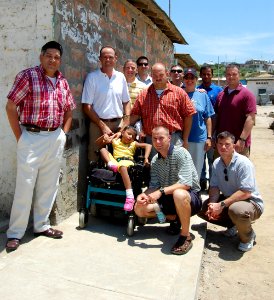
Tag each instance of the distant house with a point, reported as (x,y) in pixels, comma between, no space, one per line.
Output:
(262,86)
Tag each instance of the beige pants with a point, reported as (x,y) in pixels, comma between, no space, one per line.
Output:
(39,158)
(94,133)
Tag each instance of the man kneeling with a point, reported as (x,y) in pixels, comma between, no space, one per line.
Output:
(234,201)
(174,186)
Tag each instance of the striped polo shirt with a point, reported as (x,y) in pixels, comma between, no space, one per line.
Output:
(177,167)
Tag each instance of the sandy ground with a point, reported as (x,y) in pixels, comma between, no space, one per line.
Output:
(226,273)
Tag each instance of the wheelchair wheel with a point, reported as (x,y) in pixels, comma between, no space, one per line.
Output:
(83,218)
(142,221)
(93,210)
(130,226)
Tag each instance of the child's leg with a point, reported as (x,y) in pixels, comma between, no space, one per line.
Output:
(124,173)
(105,155)
(108,158)
(129,192)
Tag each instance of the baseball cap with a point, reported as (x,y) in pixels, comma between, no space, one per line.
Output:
(190,71)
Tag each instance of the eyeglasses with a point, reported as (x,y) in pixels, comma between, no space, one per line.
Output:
(176,71)
(189,77)
(225,172)
(142,64)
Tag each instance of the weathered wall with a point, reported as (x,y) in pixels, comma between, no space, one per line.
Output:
(25,25)
(82,30)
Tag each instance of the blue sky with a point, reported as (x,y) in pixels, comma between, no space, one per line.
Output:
(235,30)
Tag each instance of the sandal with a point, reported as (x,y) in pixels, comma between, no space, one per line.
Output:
(182,246)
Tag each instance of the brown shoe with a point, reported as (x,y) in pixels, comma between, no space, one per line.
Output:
(182,246)
(51,233)
(12,244)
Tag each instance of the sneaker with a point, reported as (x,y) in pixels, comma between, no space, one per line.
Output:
(113,168)
(230,232)
(128,206)
(161,216)
(249,245)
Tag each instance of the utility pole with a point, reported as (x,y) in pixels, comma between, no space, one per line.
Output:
(218,72)
(169,7)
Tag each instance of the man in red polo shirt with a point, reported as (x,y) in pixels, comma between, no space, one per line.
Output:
(236,110)
(39,110)
(164,104)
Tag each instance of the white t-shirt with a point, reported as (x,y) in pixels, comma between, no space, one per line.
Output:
(105,94)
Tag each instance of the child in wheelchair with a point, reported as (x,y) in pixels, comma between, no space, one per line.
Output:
(123,157)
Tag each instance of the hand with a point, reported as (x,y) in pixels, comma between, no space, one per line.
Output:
(207,145)
(142,136)
(239,146)
(214,210)
(106,130)
(185,144)
(146,162)
(154,196)
(142,199)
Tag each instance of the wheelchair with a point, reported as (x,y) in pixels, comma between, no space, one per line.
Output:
(105,189)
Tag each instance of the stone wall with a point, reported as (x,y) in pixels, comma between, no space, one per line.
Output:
(82,27)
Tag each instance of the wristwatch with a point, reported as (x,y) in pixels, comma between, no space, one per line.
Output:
(162,190)
(222,204)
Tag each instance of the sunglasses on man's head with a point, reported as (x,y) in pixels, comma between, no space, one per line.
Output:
(176,71)
(142,64)
(226,176)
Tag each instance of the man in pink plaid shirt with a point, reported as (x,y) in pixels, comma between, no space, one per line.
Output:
(39,110)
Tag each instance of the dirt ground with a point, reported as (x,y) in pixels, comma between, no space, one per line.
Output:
(226,273)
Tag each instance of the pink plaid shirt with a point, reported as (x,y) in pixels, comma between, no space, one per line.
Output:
(39,101)
(169,110)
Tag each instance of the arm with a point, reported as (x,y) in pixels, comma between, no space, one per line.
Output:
(186,130)
(147,148)
(67,121)
(13,117)
(215,209)
(126,116)
(89,111)
(209,133)
(155,195)
(248,125)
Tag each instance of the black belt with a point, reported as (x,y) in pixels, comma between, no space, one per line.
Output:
(111,120)
(124,158)
(35,128)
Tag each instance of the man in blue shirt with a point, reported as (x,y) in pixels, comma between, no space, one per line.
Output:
(206,73)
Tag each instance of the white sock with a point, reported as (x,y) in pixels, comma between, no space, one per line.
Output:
(129,193)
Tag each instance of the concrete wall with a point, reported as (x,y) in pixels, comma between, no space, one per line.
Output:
(82,31)
(25,26)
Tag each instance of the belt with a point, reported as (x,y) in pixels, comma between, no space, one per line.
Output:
(111,120)
(35,128)
(124,158)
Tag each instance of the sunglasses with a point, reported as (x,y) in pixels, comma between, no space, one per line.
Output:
(176,71)
(225,172)
(142,64)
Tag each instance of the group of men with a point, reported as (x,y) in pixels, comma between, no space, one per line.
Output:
(113,100)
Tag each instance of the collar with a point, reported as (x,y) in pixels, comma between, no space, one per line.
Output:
(170,151)
(233,159)
(238,88)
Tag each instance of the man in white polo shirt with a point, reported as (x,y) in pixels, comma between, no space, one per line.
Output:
(105,100)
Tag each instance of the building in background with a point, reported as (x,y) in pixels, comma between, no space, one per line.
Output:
(134,28)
